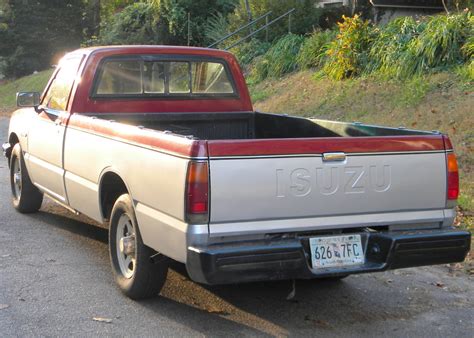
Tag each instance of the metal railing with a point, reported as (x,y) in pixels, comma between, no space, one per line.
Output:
(251,23)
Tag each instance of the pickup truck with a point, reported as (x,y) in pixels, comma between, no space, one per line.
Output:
(163,146)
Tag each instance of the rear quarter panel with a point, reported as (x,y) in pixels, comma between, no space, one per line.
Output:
(155,181)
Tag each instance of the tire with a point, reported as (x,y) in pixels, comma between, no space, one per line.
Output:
(135,273)
(26,197)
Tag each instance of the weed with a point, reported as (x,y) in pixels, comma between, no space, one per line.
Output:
(280,58)
(313,51)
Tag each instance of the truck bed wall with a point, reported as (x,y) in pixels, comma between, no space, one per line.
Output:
(251,125)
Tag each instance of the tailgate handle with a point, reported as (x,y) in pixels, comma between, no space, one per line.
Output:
(334,157)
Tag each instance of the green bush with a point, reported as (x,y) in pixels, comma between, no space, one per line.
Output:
(248,52)
(280,58)
(313,51)
(135,24)
(347,54)
(304,19)
(391,44)
(438,46)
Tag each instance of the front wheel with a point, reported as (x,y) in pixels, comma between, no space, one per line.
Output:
(26,197)
(135,273)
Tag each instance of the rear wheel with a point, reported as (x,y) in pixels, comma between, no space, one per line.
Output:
(135,273)
(26,197)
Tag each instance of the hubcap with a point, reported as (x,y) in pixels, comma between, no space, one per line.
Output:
(125,244)
(17,178)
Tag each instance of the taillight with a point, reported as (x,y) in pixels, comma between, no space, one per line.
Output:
(197,192)
(453,177)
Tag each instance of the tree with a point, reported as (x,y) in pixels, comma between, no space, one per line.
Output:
(39,32)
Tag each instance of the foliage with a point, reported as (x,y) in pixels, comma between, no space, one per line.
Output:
(99,13)
(438,44)
(406,47)
(313,51)
(174,14)
(390,44)
(305,18)
(27,45)
(135,24)
(347,54)
(246,53)
(466,72)
(279,59)
(216,27)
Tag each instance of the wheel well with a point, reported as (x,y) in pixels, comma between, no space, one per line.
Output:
(13,139)
(111,187)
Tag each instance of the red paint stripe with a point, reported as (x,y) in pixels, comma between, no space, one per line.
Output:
(324,145)
(160,141)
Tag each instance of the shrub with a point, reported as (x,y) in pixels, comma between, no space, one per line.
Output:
(248,52)
(390,45)
(135,24)
(313,51)
(304,19)
(347,54)
(280,58)
(438,46)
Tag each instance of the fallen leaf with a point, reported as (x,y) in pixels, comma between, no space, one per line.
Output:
(439,284)
(4,306)
(389,281)
(102,320)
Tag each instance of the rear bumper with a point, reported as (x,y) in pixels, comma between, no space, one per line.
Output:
(289,258)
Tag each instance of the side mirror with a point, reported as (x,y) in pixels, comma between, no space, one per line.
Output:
(27,99)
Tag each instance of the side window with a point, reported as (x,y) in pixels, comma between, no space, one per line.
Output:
(58,93)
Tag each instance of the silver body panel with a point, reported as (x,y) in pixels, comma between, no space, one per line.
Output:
(156,182)
(285,194)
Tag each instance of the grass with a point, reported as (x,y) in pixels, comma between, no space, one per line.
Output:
(34,83)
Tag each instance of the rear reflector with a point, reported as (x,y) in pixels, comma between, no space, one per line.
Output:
(197,192)
(453,177)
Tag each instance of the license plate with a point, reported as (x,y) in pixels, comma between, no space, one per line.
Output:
(337,251)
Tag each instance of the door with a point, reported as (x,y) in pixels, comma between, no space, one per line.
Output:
(46,134)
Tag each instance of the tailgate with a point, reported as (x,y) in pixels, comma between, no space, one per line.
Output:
(265,180)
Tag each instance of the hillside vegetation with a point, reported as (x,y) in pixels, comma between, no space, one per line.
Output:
(32,83)
(402,49)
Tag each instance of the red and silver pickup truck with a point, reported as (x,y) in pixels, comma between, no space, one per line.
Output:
(163,146)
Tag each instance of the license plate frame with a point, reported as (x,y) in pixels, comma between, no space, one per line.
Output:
(339,251)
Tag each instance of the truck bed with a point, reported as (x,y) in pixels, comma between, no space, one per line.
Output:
(252,125)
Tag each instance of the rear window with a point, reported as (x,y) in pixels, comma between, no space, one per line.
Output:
(119,78)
